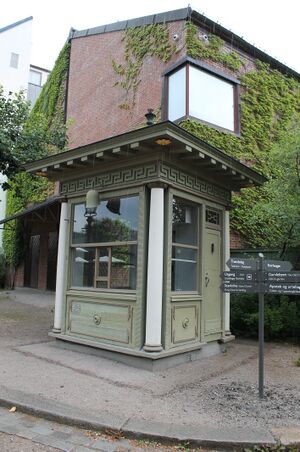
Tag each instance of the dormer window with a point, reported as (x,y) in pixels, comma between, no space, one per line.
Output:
(198,92)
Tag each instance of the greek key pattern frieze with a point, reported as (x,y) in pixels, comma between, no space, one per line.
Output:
(114,179)
(193,183)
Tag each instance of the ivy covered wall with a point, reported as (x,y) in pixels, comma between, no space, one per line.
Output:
(27,189)
(269,100)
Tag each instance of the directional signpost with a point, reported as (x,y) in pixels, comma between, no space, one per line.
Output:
(262,277)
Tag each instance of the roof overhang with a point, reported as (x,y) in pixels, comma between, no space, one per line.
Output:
(199,19)
(33,209)
(183,147)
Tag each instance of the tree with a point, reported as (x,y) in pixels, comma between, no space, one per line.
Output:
(274,220)
(24,137)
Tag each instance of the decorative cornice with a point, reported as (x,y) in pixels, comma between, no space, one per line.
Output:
(193,183)
(116,179)
(155,174)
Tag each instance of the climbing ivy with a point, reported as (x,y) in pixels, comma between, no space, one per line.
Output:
(269,101)
(213,49)
(52,97)
(140,42)
(25,188)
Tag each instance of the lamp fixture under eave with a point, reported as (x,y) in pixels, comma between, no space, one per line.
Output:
(91,203)
(163,141)
(150,116)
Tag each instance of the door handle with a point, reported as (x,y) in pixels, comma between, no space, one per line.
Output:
(206,280)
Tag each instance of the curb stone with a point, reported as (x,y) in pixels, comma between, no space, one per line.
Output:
(204,436)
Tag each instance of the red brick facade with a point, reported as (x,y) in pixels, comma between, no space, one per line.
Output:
(94,99)
(93,105)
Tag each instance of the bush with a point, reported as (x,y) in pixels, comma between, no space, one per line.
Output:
(282,316)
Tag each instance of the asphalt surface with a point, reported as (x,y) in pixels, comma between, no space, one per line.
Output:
(208,403)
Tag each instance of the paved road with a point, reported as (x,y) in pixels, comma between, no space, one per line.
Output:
(26,433)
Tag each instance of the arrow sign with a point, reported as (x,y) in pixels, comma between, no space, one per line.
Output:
(282,288)
(237,276)
(281,266)
(282,277)
(232,287)
(242,264)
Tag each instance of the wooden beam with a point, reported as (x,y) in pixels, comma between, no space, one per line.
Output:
(196,155)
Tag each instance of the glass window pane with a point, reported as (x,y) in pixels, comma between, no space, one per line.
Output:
(184,222)
(14,60)
(211,98)
(103,262)
(35,78)
(116,220)
(184,269)
(83,268)
(102,284)
(123,267)
(176,95)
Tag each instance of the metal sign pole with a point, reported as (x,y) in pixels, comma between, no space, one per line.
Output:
(261,299)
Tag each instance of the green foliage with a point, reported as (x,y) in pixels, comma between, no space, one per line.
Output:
(141,42)
(24,189)
(213,49)
(42,132)
(297,362)
(282,316)
(13,114)
(51,100)
(269,102)
(274,218)
(277,448)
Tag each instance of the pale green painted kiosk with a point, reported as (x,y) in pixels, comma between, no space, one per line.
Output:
(144,236)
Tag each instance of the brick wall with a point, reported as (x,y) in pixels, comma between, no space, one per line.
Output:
(236,241)
(93,99)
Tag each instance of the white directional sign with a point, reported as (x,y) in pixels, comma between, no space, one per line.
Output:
(239,276)
(280,266)
(282,276)
(242,264)
(282,288)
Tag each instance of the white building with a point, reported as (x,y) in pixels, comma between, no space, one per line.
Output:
(16,73)
(15,46)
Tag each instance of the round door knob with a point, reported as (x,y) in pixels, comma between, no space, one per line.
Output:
(97,319)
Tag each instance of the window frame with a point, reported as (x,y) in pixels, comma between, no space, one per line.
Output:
(33,71)
(187,62)
(196,247)
(98,245)
(14,60)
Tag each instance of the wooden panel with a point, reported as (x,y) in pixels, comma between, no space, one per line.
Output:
(212,294)
(111,322)
(185,319)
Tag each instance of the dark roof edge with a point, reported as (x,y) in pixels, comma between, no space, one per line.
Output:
(161,127)
(15,24)
(40,68)
(241,44)
(170,16)
(48,202)
(189,14)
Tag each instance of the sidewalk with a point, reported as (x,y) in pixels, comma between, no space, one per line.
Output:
(212,402)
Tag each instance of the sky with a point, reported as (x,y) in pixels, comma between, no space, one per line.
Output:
(271,26)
